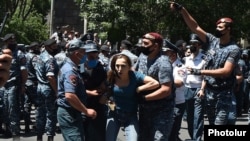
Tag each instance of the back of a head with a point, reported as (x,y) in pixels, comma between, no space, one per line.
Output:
(126,44)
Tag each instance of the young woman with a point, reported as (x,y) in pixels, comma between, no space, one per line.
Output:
(125,86)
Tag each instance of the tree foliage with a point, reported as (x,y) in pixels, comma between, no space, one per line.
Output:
(141,16)
(26,19)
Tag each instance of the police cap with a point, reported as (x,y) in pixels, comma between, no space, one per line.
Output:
(90,47)
(167,45)
(76,44)
(33,44)
(194,38)
(105,48)
(49,42)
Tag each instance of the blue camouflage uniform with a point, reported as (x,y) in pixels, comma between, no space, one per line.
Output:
(220,90)
(30,85)
(2,112)
(46,96)
(12,92)
(156,117)
(69,80)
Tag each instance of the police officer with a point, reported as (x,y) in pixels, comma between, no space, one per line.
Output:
(46,72)
(104,56)
(157,108)
(220,70)
(194,95)
(179,75)
(15,86)
(33,51)
(5,63)
(72,95)
(94,77)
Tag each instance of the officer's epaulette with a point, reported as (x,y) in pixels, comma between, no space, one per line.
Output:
(203,57)
(179,65)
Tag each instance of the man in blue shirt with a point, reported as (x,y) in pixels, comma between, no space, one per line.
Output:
(72,95)
(46,73)
(157,107)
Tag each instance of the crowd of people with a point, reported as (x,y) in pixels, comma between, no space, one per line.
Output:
(91,93)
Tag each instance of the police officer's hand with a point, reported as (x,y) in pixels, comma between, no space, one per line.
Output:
(93,92)
(91,113)
(175,6)
(201,94)
(5,63)
(194,71)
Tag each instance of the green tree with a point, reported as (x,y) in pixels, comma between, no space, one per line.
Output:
(27,19)
(141,16)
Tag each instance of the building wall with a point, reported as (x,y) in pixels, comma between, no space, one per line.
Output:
(66,12)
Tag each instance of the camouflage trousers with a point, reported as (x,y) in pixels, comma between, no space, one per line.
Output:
(12,108)
(155,121)
(218,106)
(46,118)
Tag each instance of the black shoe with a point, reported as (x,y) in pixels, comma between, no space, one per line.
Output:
(50,138)
(27,130)
(16,138)
(178,139)
(39,138)
(7,133)
(58,130)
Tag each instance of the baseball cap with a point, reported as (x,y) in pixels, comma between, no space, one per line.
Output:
(153,36)
(75,44)
(8,36)
(90,47)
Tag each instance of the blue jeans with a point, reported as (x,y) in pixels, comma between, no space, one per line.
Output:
(71,124)
(195,113)
(116,120)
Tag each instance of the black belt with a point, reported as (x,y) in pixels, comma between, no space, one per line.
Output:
(218,88)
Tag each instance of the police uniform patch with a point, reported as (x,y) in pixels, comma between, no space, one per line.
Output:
(73,79)
(182,72)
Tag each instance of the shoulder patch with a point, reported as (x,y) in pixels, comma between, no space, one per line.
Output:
(73,79)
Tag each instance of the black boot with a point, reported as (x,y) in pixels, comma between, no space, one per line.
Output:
(7,133)
(50,138)
(39,138)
